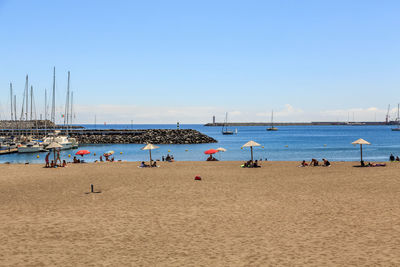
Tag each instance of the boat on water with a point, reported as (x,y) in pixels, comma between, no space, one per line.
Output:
(272,128)
(397,120)
(31,147)
(64,140)
(8,143)
(225,130)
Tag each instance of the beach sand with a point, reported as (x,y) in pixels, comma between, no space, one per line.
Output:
(275,215)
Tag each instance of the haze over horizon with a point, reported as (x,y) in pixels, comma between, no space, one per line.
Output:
(163,62)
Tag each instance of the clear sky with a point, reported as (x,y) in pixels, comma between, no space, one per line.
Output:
(168,61)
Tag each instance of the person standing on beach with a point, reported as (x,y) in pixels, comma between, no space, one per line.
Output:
(58,157)
(47,160)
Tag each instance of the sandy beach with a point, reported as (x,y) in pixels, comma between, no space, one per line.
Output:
(275,215)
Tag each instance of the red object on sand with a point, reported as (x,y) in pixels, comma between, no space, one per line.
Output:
(82,152)
(210,151)
(197,178)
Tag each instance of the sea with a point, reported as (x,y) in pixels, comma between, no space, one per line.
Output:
(289,143)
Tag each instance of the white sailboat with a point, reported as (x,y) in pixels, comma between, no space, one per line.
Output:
(225,130)
(65,141)
(272,128)
(397,120)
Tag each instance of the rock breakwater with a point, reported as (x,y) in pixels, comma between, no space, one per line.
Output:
(154,136)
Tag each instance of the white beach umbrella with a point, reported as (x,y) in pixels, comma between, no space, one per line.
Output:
(54,145)
(221,149)
(361,142)
(251,144)
(149,147)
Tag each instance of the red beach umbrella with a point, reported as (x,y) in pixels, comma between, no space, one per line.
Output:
(82,152)
(210,151)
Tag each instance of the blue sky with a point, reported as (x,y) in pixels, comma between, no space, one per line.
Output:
(168,61)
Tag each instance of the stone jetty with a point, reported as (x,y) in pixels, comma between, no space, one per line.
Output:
(154,136)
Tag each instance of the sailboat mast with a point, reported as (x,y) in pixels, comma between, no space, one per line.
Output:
(67,104)
(15,111)
(31,100)
(53,104)
(22,106)
(11,101)
(72,102)
(11,105)
(226,120)
(31,109)
(26,98)
(272,118)
(45,111)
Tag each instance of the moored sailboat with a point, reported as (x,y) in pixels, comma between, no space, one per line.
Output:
(397,120)
(272,128)
(225,126)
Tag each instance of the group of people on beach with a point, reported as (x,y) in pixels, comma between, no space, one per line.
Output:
(144,165)
(315,162)
(168,158)
(211,158)
(251,164)
(57,163)
(392,158)
(107,158)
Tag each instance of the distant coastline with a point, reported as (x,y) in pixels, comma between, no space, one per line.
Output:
(375,123)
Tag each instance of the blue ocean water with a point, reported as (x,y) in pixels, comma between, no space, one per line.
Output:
(288,143)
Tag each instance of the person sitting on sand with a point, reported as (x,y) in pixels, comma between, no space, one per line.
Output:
(64,164)
(47,160)
(154,164)
(112,159)
(255,165)
(326,163)
(391,158)
(314,162)
(52,164)
(143,165)
(303,164)
(397,158)
(168,158)
(248,164)
(75,160)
